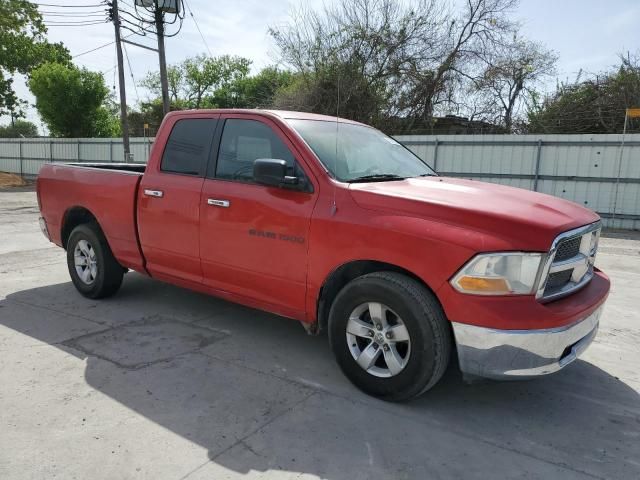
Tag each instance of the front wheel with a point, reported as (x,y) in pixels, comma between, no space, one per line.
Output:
(93,269)
(389,335)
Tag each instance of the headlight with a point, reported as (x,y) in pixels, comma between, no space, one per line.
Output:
(499,274)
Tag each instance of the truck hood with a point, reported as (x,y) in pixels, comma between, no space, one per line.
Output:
(526,220)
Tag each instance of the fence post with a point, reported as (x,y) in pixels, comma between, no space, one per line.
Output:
(50,151)
(537,172)
(111,151)
(20,157)
(78,150)
(435,155)
(617,187)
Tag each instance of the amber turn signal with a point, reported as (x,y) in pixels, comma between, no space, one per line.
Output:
(478,284)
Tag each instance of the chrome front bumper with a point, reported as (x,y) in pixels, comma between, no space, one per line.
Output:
(511,354)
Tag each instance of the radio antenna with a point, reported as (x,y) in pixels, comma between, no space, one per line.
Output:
(334,207)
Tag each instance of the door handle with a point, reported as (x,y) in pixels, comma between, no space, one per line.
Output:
(218,203)
(154,193)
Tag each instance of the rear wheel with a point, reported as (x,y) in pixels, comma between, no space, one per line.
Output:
(93,269)
(389,335)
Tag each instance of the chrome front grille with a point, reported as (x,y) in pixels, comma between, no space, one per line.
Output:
(558,279)
(569,264)
(568,248)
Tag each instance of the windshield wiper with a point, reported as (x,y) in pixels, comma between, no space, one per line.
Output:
(379,177)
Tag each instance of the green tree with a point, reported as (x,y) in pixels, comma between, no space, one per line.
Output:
(107,120)
(19,129)
(23,47)
(71,101)
(193,83)
(407,59)
(339,88)
(593,105)
(204,75)
(149,113)
(175,80)
(254,91)
(508,81)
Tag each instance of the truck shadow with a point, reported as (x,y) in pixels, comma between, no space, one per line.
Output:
(261,395)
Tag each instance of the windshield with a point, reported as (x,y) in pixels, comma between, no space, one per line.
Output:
(361,153)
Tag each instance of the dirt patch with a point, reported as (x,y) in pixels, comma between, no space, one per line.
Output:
(11,180)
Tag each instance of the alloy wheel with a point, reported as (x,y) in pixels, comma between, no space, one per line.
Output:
(378,339)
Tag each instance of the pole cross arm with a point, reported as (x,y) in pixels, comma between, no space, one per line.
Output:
(139,45)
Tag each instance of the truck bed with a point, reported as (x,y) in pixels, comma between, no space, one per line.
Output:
(108,191)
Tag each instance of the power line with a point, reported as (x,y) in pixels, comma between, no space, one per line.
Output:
(74,14)
(68,6)
(127,4)
(142,29)
(99,47)
(135,87)
(198,27)
(115,70)
(67,12)
(53,22)
(93,49)
(73,24)
(79,13)
(110,70)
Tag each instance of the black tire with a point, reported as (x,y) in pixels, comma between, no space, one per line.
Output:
(109,272)
(428,329)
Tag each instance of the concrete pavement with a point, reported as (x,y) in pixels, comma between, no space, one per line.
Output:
(162,383)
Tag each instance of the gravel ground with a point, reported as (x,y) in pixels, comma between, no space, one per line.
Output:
(163,383)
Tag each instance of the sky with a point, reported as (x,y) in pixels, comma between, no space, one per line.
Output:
(586,34)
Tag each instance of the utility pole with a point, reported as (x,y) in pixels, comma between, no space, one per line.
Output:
(164,83)
(124,121)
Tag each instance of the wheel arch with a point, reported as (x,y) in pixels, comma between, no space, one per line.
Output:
(347,272)
(74,216)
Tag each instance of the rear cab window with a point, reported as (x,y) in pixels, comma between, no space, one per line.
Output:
(188,146)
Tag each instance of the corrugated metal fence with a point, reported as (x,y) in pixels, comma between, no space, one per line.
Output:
(26,155)
(593,170)
(596,171)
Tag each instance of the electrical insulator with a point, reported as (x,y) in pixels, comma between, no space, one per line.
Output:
(167,6)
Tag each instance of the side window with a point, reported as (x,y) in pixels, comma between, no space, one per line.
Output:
(244,141)
(188,146)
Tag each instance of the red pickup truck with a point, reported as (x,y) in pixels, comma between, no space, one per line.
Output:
(336,225)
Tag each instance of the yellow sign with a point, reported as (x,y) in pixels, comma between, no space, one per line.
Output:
(633,112)
(146,125)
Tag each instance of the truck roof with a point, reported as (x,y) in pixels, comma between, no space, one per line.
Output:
(283,114)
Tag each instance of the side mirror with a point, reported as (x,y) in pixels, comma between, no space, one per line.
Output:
(272,172)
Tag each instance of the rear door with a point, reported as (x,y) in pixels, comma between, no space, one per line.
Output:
(253,238)
(169,199)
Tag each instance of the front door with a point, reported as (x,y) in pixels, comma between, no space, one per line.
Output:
(253,238)
(169,199)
